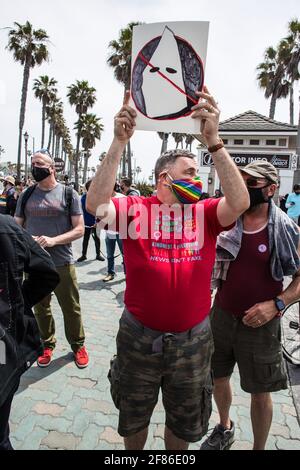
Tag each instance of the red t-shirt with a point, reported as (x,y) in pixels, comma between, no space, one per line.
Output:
(249,280)
(168,273)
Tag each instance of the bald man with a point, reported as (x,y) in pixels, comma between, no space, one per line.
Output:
(47,218)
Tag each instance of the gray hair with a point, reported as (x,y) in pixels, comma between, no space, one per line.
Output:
(167,160)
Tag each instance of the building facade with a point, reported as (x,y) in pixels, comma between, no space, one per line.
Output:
(251,136)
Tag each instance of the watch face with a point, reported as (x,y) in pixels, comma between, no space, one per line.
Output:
(280,304)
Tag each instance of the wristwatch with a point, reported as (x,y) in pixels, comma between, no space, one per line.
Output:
(280,305)
(215,148)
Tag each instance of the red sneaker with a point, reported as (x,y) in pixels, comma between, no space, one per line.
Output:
(45,359)
(81,358)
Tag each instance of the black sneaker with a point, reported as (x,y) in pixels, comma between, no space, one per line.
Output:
(220,439)
(100,258)
(82,258)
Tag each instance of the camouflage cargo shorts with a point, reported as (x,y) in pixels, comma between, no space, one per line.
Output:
(256,351)
(181,369)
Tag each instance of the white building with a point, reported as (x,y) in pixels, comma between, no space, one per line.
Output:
(252,136)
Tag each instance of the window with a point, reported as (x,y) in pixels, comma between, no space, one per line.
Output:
(254,141)
(282,142)
(238,142)
(225,141)
(271,142)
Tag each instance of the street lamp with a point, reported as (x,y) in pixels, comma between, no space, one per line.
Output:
(26,137)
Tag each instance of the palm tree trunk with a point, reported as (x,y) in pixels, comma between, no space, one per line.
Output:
(57,147)
(164,146)
(292,104)
(22,112)
(85,167)
(76,156)
(272,106)
(124,163)
(43,125)
(53,141)
(50,136)
(129,160)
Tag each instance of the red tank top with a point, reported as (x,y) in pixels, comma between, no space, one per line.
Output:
(249,280)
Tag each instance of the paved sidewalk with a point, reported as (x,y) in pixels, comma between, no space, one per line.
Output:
(63,407)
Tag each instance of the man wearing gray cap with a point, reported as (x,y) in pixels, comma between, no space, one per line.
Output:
(252,260)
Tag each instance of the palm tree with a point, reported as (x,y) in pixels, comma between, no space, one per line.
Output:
(44,89)
(189,139)
(178,139)
(120,61)
(164,137)
(29,48)
(293,58)
(284,55)
(293,66)
(90,130)
(54,113)
(83,97)
(272,78)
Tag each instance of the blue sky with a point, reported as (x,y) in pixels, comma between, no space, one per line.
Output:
(80,32)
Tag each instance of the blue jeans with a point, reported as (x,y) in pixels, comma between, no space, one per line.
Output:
(111,240)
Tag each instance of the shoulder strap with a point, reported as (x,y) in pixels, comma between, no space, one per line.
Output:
(26,195)
(69,199)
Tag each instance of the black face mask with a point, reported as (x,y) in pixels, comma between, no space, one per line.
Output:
(40,174)
(257,196)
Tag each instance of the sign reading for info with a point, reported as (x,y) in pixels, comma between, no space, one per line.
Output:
(280,161)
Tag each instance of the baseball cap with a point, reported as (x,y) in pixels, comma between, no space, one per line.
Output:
(262,169)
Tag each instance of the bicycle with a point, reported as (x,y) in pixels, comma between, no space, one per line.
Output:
(290,333)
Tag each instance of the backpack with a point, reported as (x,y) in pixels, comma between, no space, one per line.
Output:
(7,202)
(3,201)
(68,197)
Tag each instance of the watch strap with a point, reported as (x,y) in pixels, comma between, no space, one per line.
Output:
(215,148)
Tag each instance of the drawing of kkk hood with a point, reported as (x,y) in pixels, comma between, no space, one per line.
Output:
(165,77)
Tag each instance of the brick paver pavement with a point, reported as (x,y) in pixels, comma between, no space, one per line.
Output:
(63,407)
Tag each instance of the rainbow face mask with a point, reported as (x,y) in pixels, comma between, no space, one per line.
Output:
(187,191)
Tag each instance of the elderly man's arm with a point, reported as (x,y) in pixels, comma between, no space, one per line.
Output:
(236,196)
(103,183)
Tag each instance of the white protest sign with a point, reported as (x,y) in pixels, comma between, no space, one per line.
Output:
(168,63)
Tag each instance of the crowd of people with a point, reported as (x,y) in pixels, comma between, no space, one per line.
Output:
(178,247)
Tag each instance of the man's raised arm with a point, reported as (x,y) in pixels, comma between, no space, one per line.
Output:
(236,196)
(103,184)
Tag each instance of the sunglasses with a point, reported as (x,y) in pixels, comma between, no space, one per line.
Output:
(253,182)
(44,152)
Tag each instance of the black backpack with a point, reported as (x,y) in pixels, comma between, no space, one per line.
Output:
(28,192)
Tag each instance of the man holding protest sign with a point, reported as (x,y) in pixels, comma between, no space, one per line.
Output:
(164,340)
